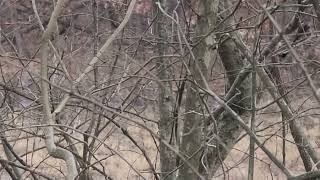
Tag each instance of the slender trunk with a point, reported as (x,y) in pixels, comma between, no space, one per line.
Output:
(49,117)
(166,124)
(194,122)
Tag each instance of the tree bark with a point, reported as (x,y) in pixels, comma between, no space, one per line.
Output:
(167,124)
(48,118)
(193,135)
(227,129)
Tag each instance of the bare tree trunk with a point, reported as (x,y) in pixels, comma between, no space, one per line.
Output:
(48,118)
(194,122)
(192,135)
(227,129)
(167,124)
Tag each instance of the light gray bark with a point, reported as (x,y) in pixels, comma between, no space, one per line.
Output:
(167,124)
(193,124)
(48,118)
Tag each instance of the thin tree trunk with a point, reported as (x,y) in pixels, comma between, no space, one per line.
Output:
(166,124)
(48,118)
(194,122)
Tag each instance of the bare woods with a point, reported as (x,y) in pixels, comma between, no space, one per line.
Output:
(165,89)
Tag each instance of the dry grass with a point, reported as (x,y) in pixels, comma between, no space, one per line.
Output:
(117,165)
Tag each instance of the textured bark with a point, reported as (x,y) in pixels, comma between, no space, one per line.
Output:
(193,122)
(166,123)
(193,127)
(227,128)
